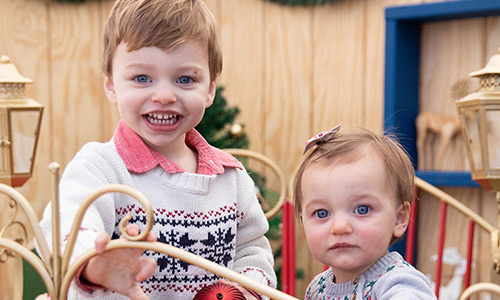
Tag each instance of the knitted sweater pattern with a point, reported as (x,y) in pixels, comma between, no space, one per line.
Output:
(391,277)
(214,216)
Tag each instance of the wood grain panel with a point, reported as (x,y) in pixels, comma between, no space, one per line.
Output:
(287,83)
(288,103)
(450,51)
(339,64)
(242,40)
(492,38)
(76,78)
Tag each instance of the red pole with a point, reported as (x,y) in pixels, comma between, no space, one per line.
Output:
(410,235)
(439,262)
(288,250)
(470,246)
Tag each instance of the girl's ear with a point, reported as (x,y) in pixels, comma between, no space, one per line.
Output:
(109,88)
(402,219)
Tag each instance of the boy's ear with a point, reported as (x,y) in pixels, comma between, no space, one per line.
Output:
(211,94)
(109,88)
(402,219)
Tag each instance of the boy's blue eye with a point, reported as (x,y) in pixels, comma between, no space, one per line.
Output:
(185,80)
(321,213)
(362,209)
(142,79)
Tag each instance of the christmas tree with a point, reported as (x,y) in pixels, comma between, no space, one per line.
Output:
(219,127)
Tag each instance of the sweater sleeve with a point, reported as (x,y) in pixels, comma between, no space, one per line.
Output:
(84,174)
(254,257)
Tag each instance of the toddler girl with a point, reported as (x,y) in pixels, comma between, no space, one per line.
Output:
(353,195)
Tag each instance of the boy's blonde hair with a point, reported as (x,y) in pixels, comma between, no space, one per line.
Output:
(349,145)
(165,24)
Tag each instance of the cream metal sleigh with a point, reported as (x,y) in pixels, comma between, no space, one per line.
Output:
(473,219)
(54,267)
(56,271)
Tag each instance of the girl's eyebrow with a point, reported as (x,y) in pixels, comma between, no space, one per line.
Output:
(315,201)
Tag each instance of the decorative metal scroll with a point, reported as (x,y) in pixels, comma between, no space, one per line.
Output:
(11,223)
(274,167)
(55,269)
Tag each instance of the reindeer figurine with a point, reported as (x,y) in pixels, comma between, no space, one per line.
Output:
(445,127)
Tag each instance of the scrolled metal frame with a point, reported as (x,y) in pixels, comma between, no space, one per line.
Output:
(274,167)
(55,269)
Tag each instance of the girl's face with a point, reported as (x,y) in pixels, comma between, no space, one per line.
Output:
(350,213)
(161,95)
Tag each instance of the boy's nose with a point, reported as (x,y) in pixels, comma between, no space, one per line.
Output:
(164,94)
(340,225)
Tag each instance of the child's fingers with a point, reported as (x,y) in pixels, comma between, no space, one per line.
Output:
(101,241)
(225,282)
(151,237)
(136,293)
(132,229)
(148,266)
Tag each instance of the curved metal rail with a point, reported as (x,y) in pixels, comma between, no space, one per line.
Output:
(267,161)
(480,287)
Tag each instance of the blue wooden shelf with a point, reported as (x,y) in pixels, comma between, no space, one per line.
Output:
(448,178)
(402,68)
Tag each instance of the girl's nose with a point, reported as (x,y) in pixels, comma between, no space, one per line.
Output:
(164,93)
(340,225)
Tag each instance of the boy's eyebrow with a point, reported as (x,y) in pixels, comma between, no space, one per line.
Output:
(186,67)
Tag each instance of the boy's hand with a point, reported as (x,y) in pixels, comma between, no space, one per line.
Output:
(244,291)
(120,270)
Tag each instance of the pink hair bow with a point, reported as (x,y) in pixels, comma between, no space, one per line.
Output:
(321,137)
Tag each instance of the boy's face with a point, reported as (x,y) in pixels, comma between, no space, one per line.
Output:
(350,213)
(161,95)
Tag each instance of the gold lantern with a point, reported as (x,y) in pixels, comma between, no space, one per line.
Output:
(20,120)
(480,120)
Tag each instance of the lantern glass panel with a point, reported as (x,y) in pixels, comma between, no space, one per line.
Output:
(493,127)
(24,126)
(472,122)
(4,143)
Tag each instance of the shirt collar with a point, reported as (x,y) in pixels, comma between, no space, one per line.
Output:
(140,158)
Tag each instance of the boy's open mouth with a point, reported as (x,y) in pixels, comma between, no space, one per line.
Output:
(162,119)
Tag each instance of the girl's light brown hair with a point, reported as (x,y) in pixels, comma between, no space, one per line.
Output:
(165,24)
(348,145)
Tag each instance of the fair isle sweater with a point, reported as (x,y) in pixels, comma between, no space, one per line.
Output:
(214,214)
(391,277)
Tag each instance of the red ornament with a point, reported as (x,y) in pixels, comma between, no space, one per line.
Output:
(219,291)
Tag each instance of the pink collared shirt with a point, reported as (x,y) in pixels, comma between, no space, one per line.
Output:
(140,158)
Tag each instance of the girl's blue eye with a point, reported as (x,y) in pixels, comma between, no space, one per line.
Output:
(142,79)
(321,213)
(185,80)
(362,209)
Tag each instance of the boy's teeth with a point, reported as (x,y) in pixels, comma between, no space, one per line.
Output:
(164,119)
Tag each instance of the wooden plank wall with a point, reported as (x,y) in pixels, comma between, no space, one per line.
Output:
(292,71)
